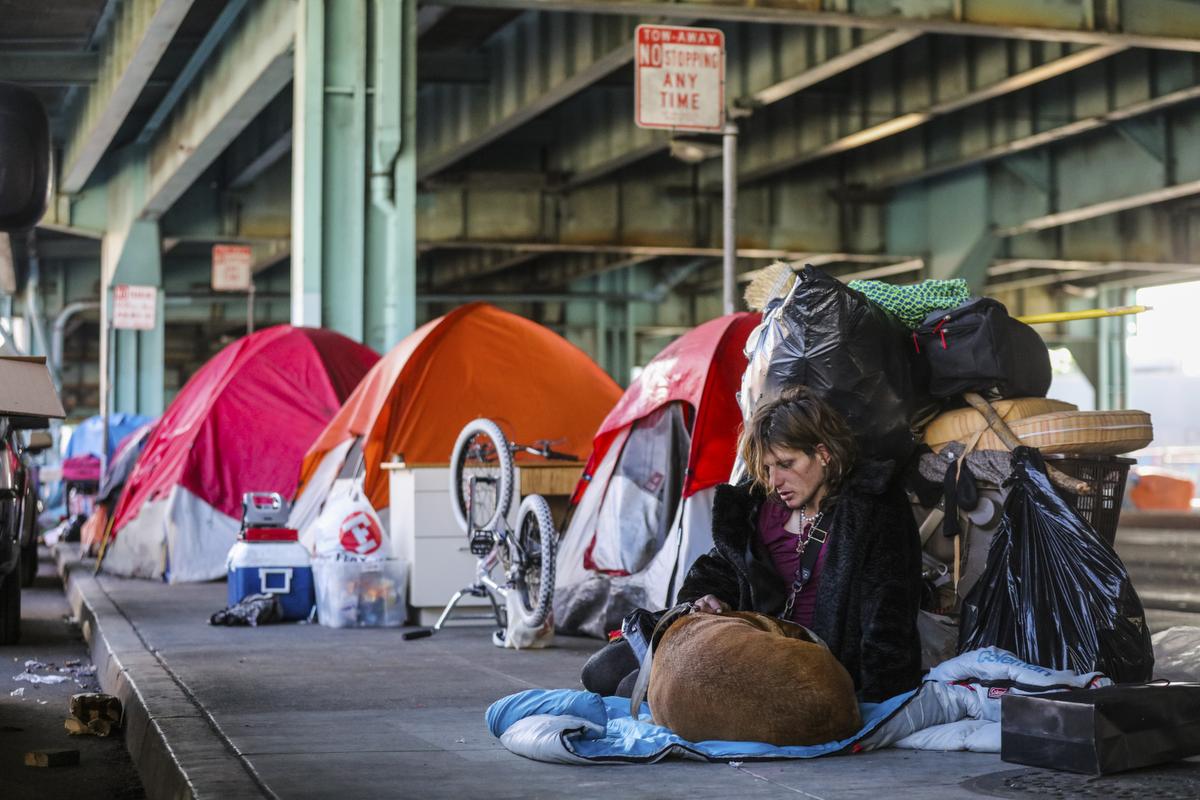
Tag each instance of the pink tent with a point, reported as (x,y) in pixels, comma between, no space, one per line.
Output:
(242,423)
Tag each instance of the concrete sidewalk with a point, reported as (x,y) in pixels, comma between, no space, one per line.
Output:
(300,711)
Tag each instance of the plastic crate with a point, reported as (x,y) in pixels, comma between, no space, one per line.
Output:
(1106,475)
(361,594)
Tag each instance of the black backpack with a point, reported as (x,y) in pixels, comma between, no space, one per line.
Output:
(978,347)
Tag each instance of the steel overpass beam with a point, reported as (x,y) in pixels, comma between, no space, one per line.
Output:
(537,62)
(138,37)
(1123,88)
(1164,24)
(250,69)
(1147,163)
(972,72)
(49,69)
(766,66)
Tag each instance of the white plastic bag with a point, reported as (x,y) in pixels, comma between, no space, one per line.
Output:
(1177,653)
(518,635)
(348,527)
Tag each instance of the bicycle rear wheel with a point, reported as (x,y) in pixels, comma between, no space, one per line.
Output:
(538,541)
(481,475)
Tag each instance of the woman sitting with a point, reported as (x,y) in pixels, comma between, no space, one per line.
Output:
(860,592)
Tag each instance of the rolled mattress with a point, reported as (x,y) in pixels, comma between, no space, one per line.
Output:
(1085,432)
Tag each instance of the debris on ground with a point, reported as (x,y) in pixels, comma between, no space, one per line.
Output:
(253,609)
(94,714)
(48,679)
(77,671)
(51,758)
(72,669)
(17,692)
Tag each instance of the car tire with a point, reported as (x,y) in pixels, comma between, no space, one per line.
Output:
(10,607)
(29,565)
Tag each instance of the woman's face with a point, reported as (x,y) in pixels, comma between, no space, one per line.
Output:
(796,477)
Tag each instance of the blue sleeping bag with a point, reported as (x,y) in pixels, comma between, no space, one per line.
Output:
(574,727)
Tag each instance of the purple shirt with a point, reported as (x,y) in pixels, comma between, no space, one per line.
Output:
(781,545)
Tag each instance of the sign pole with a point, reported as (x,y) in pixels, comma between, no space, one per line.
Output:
(729,138)
(106,380)
(250,309)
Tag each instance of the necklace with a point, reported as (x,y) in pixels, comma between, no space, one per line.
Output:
(805,519)
(810,531)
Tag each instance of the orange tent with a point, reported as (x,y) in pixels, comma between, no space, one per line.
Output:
(476,361)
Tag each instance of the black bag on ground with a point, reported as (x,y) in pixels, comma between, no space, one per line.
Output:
(978,347)
(855,356)
(1053,591)
(1099,731)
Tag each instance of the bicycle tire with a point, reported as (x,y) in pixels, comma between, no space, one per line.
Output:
(496,463)
(538,540)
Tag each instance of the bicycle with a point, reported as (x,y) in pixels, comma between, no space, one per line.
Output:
(482,475)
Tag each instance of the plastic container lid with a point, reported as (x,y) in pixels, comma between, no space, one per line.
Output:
(271,535)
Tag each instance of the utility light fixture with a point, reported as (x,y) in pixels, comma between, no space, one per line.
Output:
(693,151)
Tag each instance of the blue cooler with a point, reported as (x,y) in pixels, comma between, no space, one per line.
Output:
(272,561)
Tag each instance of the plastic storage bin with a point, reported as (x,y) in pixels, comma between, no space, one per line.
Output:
(271,561)
(362,594)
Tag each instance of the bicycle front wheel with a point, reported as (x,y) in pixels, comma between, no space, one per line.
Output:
(538,541)
(481,476)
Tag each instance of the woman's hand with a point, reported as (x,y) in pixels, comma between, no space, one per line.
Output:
(710,604)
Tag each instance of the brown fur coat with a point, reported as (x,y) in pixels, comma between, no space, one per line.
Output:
(743,676)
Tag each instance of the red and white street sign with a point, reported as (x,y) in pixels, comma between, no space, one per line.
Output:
(134,307)
(231,266)
(679,78)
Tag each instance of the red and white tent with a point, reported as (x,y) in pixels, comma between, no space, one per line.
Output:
(242,423)
(639,521)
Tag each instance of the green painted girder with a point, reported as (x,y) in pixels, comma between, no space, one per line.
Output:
(252,66)
(49,68)
(1164,24)
(137,39)
(537,61)
(765,67)
(354,165)
(943,78)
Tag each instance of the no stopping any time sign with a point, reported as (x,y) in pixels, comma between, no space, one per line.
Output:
(679,79)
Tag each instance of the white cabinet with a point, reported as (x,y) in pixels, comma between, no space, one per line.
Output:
(425,533)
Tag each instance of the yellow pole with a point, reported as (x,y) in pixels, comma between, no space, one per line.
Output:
(1094,313)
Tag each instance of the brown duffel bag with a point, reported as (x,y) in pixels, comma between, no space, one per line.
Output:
(742,676)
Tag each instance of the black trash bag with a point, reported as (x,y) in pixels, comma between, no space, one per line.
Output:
(1053,591)
(858,358)
(253,609)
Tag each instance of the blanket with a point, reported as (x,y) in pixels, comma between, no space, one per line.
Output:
(956,708)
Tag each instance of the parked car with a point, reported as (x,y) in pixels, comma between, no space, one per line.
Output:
(26,395)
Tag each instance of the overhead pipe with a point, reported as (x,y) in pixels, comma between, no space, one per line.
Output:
(63,318)
(59,335)
(32,294)
(387,141)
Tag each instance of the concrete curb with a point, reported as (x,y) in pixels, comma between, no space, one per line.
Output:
(178,750)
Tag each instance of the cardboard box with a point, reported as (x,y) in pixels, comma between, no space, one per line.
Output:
(26,390)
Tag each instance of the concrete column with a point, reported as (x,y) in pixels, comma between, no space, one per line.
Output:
(1112,388)
(354,169)
(137,356)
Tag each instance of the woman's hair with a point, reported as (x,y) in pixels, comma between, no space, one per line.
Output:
(797,420)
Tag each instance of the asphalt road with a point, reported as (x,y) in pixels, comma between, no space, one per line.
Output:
(33,719)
